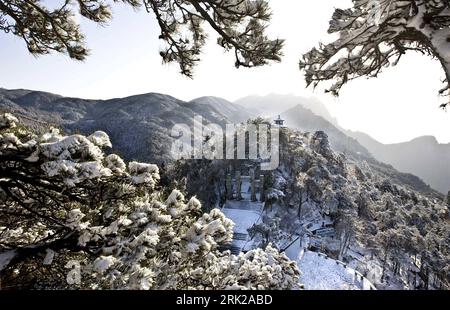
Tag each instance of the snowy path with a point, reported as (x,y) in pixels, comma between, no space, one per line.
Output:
(244,213)
(320,272)
(325,274)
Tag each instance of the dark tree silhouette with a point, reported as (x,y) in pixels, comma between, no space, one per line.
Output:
(240,26)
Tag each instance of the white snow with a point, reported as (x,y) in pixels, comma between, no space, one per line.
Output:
(49,256)
(244,213)
(318,271)
(100,138)
(8,120)
(295,250)
(323,273)
(143,173)
(174,198)
(243,219)
(103,263)
(115,163)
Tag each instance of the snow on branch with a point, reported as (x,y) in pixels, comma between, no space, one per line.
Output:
(373,35)
(239,24)
(66,206)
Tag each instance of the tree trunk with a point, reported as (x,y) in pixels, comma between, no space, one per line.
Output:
(253,186)
(238,186)
(229,187)
(299,212)
(262,190)
(435,39)
(69,241)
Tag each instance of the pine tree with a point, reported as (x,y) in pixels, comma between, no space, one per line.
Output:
(78,218)
(372,37)
(240,26)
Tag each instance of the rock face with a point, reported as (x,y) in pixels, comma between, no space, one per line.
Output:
(307,117)
(320,144)
(139,126)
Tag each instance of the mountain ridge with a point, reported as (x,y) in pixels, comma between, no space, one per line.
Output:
(139,126)
(423,156)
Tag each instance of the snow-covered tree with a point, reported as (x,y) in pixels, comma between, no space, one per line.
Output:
(73,217)
(239,24)
(375,34)
(402,230)
(273,196)
(300,195)
(204,178)
(346,231)
(268,232)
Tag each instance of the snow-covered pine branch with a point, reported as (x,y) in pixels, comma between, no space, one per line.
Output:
(82,219)
(240,26)
(375,34)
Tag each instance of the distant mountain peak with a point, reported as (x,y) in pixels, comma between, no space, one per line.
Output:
(208,99)
(426,139)
(274,104)
(423,156)
(225,107)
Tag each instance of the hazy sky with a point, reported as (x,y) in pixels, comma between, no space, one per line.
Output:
(398,106)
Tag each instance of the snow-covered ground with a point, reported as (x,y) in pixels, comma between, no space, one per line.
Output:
(243,219)
(323,273)
(244,213)
(318,271)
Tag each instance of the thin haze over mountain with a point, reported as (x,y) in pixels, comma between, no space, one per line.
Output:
(274,104)
(423,156)
(140,126)
(125,61)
